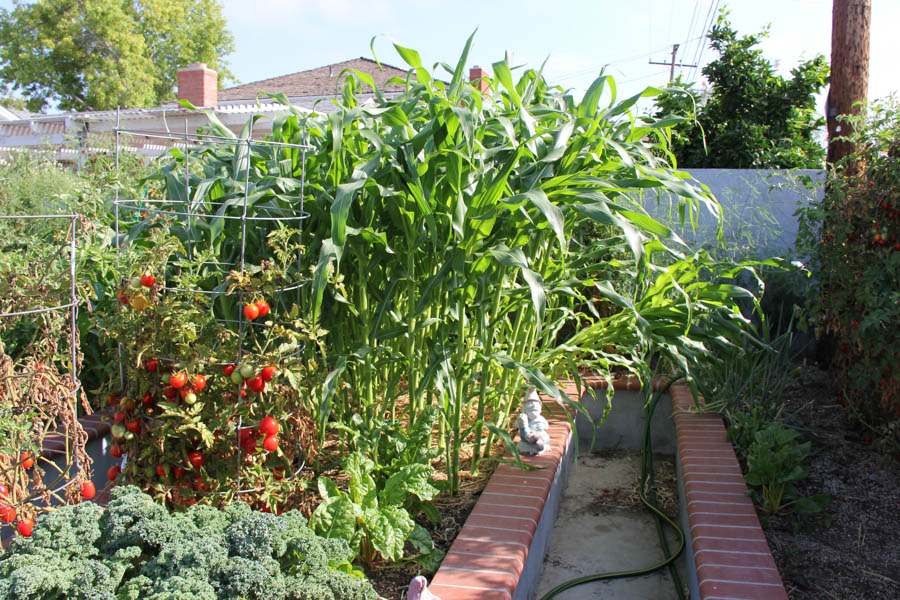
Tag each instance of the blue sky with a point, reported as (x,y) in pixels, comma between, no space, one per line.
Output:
(276,37)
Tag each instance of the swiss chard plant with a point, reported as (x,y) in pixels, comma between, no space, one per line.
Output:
(374,518)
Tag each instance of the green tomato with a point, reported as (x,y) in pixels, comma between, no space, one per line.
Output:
(118,430)
(236,377)
(190,398)
(128,435)
(246,370)
(136,282)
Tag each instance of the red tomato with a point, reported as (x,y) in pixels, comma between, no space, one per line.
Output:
(151,365)
(161,470)
(245,433)
(271,443)
(268,426)
(88,490)
(7,513)
(133,425)
(170,392)
(115,451)
(147,400)
(256,384)
(118,417)
(263,308)
(178,380)
(179,472)
(113,472)
(4,491)
(112,400)
(267,373)
(147,280)
(249,445)
(25,526)
(278,474)
(122,297)
(198,383)
(228,370)
(27,461)
(196,459)
(251,311)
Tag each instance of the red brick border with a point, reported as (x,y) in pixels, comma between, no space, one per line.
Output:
(729,549)
(732,558)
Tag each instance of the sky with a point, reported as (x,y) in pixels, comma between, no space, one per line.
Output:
(578,38)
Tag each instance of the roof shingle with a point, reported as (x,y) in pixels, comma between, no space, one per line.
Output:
(321,81)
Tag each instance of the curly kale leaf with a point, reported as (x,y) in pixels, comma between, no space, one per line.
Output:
(132,518)
(256,536)
(244,579)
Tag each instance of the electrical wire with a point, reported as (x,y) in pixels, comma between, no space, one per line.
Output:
(701,47)
(645,489)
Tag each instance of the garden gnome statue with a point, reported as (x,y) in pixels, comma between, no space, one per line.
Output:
(418,589)
(533,435)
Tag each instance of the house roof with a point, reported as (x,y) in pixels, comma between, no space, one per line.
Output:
(12,114)
(321,81)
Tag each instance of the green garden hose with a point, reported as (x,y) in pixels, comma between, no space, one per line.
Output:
(644,489)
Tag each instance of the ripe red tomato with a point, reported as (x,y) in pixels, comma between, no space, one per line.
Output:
(256,384)
(196,459)
(88,490)
(123,298)
(133,425)
(228,370)
(170,392)
(151,365)
(161,470)
(147,280)
(25,526)
(271,443)
(198,382)
(263,308)
(7,513)
(147,400)
(4,491)
(178,380)
(113,472)
(27,461)
(268,426)
(249,445)
(251,311)
(118,417)
(267,373)
(115,451)
(179,472)
(278,474)
(112,400)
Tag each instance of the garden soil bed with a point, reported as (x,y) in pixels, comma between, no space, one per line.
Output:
(857,555)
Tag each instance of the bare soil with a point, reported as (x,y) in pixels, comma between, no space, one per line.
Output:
(852,551)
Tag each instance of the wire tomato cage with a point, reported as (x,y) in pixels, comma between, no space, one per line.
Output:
(190,211)
(71,431)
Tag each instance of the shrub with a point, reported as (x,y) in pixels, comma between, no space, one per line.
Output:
(136,549)
(851,239)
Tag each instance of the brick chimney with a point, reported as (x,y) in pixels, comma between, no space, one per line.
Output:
(479,77)
(199,85)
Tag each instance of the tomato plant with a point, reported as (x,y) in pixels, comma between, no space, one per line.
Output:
(182,425)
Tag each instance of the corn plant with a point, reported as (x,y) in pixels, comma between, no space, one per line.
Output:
(451,265)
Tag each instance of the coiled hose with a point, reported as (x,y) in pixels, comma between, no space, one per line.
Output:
(648,497)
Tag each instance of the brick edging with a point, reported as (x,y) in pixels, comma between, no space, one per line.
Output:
(725,540)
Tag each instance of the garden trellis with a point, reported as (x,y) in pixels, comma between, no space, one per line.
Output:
(53,417)
(200,221)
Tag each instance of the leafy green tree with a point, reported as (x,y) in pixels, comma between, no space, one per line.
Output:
(99,54)
(752,117)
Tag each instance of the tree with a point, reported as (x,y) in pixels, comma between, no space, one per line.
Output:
(752,117)
(99,54)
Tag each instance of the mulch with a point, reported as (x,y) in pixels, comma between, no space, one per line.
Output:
(852,550)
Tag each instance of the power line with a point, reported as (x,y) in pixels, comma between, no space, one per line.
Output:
(599,66)
(691,26)
(702,46)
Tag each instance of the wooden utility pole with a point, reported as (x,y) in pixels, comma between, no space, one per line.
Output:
(672,64)
(850,21)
